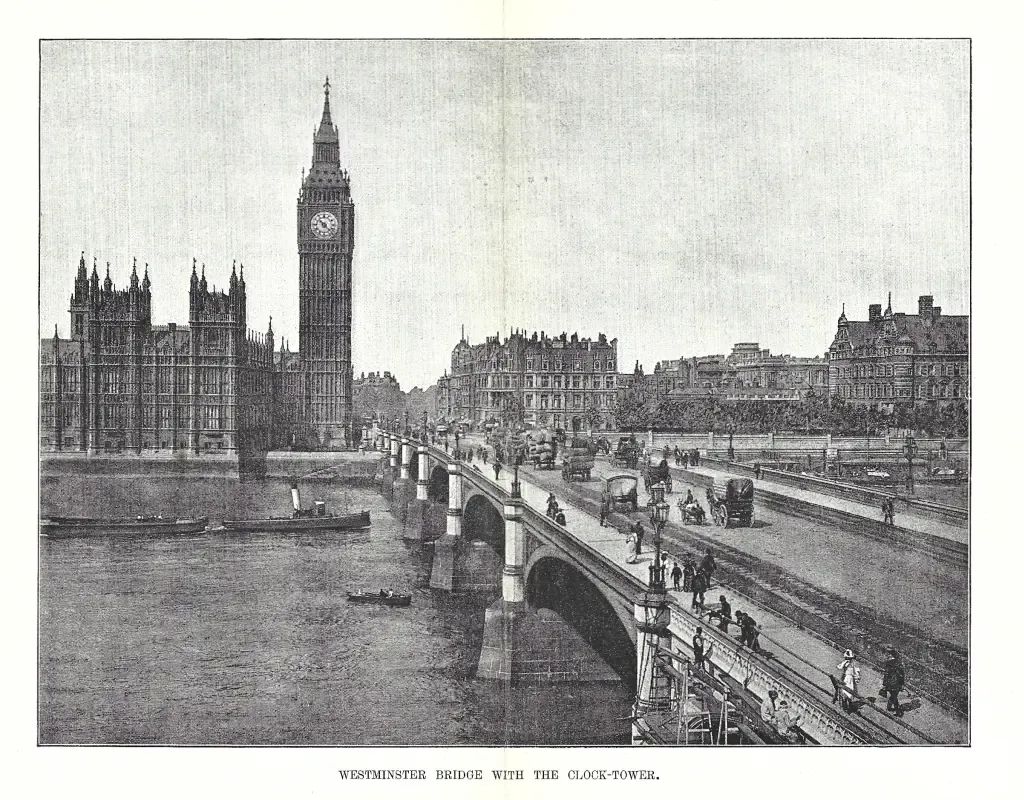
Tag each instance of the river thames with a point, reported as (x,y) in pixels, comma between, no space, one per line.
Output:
(233,638)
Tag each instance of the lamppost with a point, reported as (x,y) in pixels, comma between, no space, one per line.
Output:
(732,453)
(458,455)
(515,478)
(408,430)
(909,451)
(423,430)
(659,516)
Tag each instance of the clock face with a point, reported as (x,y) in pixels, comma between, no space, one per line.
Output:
(324,225)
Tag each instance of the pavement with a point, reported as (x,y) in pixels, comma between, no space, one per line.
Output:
(810,657)
(871,514)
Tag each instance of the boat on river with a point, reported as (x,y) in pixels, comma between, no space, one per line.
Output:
(381,598)
(310,522)
(317,518)
(54,527)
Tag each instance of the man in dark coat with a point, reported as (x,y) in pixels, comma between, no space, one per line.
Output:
(677,574)
(698,649)
(724,614)
(698,587)
(688,572)
(707,566)
(893,679)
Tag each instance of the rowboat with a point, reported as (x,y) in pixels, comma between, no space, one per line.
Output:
(380,598)
(55,527)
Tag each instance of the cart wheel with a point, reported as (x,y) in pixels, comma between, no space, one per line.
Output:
(723,518)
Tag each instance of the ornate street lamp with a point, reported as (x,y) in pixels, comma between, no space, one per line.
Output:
(732,453)
(423,430)
(458,455)
(515,479)
(659,516)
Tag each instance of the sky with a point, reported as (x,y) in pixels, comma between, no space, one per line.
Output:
(679,196)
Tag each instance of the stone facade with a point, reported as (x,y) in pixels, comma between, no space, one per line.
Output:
(749,372)
(326,239)
(563,381)
(896,358)
(121,384)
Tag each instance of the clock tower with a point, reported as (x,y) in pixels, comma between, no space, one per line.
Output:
(326,231)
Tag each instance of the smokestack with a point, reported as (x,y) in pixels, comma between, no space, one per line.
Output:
(295,496)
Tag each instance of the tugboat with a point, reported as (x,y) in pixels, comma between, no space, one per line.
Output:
(385,597)
(316,518)
(56,527)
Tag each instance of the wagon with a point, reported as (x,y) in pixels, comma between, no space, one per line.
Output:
(732,500)
(620,490)
(659,473)
(627,453)
(577,463)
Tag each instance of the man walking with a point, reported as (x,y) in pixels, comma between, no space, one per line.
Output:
(698,588)
(724,613)
(698,649)
(677,574)
(707,566)
(893,679)
(497,469)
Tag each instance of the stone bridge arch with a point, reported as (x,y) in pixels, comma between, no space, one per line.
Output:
(437,484)
(590,608)
(481,554)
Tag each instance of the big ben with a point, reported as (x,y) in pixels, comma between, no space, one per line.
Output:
(326,232)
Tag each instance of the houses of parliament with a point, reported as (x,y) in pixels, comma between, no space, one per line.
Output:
(121,384)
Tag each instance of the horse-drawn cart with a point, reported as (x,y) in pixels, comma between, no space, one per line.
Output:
(627,453)
(658,473)
(620,490)
(732,500)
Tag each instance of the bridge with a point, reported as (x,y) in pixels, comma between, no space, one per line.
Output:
(571,609)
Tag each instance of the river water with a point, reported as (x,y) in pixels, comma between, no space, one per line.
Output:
(222,638)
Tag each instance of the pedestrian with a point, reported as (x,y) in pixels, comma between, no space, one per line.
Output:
(631,553)
(787,723)
(483,456)
(849,674)
(469,455)
(605,503)
(707,565)
(677,574)
(638,532)
(892,511)
(686,459)
(893,679)
(724,613)
(552,506)
(688,573)
(497,469)
(769,708)
(698,587)
(698,649)
(748,631)
(757,470)
(677,455)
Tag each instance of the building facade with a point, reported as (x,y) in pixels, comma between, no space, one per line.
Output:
(562,382)
(121,384)
(896,358)
(749,372)
(326,239)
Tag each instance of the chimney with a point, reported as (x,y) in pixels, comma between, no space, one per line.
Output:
(874,312)
(924,305)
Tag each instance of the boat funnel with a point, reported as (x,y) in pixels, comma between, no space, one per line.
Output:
(295,497)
